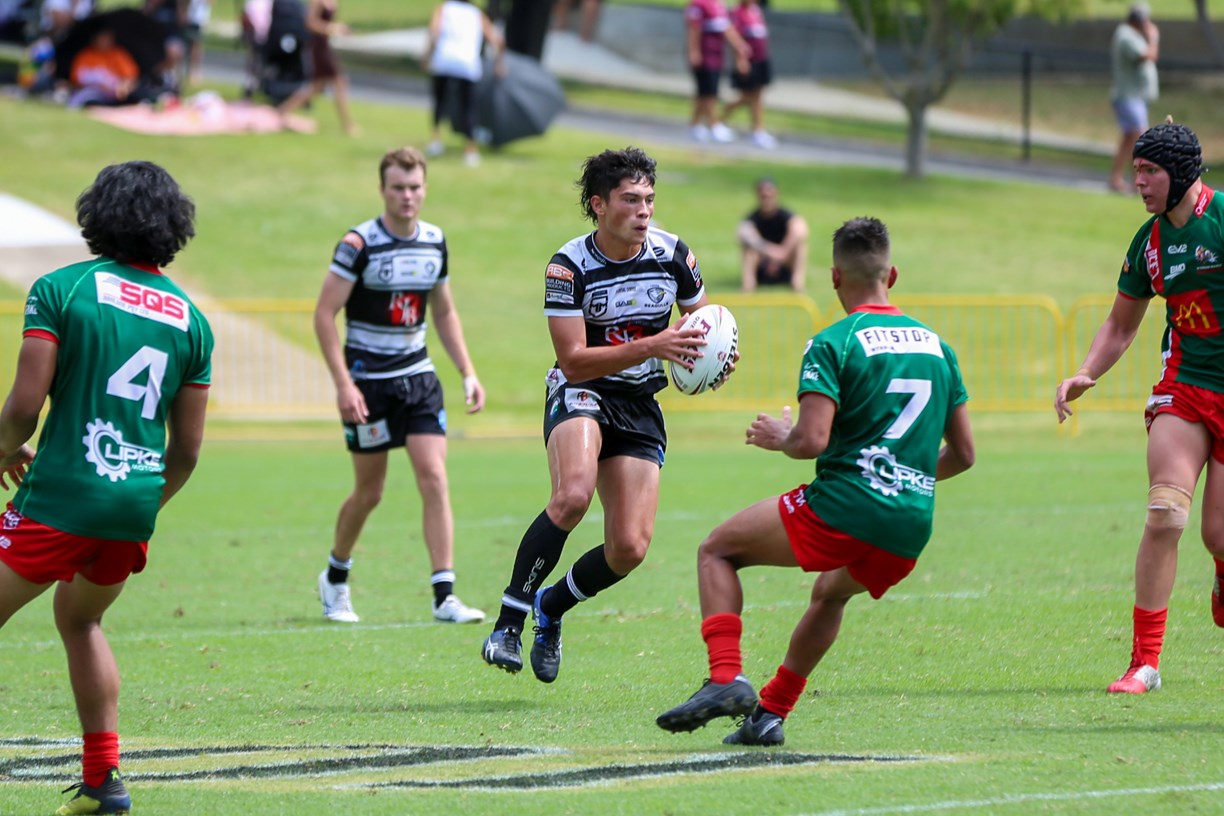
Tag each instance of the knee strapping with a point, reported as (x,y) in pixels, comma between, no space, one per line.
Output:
(1168,507)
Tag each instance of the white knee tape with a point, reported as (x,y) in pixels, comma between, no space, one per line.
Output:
(1168,507)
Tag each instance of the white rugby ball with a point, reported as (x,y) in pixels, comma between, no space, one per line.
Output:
(722,339)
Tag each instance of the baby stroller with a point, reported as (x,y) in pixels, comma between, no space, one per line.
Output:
(275,33)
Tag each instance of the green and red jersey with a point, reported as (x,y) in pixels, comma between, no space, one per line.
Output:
(128,339)
(1185,266)
(895,383)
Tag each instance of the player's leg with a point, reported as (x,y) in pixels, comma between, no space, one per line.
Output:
(428,454)
(94,675)
(573,447)
(754,536)
(15,592)
(369,478)
(809,642)
(797,240)
(1177,451)
(340,88)
(1213,528)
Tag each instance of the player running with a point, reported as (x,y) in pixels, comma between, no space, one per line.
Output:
(122,353)
(608,296)
(1177,254)
(878,391)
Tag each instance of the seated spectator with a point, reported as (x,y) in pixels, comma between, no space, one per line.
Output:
(171,15)
(103,73)
(774,242)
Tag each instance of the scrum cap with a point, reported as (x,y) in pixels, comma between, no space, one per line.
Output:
(1176,149)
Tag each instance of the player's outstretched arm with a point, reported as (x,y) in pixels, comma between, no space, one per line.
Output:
(958,454)
(186,437)
(1110,343)
(805,439)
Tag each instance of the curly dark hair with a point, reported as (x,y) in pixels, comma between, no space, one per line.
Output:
(135,212)
(603,173)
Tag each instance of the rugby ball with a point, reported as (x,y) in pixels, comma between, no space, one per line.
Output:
(722,339)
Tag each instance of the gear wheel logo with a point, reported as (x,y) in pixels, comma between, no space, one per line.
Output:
(880,469)
(97,434)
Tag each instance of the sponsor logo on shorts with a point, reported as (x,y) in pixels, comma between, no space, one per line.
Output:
(884,473)
(11,519)
(142,301)
(580,399)
(5,542)
(373,434)
(114,458)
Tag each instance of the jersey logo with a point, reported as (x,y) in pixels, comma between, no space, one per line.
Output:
(114,458)
(619,335)
(599,304)
(142,301)
(885,474)
(899,340)
(559,272)
(1192,313)
(1208,261)
(405,309)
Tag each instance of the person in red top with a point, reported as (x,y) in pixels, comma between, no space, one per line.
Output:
(709,27)
(749,21)
(1179,255)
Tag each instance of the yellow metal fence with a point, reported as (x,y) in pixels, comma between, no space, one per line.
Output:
(1013,350)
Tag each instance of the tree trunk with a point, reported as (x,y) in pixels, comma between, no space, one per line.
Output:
(916,139)
(1204,21)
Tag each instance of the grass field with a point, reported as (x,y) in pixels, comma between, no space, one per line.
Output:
(975,686)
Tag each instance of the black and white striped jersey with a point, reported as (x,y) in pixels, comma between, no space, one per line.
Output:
(623,301)
(385,313)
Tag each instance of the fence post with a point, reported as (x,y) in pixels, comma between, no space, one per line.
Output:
(1026,104)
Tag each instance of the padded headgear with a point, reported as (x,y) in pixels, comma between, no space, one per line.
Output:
(1175,149)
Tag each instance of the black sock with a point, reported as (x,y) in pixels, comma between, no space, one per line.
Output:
(338,571)
(589,576)
(538,554)
(443,584)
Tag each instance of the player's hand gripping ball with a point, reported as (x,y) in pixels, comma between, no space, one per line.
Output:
(718,355)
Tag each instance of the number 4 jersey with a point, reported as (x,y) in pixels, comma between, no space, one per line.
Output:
(895,383)
(128,340)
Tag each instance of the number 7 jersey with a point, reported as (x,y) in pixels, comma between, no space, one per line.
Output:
(895,383)
(128,339)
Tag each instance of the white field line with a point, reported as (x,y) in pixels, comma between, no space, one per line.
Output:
(1021,799)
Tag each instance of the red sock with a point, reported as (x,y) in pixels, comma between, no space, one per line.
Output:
(101,754)
(721,633)
(782,692)
(1149,637)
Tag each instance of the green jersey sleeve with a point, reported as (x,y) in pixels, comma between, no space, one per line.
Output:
(819,372)
(1133,280)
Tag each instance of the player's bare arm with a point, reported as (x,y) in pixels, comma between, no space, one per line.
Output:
(958,453)
(580,362)
(805,439)
(185,438)
(1110,343)
(335,294)
(36,364)
(450,332)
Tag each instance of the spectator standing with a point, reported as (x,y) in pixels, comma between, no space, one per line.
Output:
(458,31)
(1133,53)
(325,68)
(774,243)
(588,17)
(709,31)
(749,21)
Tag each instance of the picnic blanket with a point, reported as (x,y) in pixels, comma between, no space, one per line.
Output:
(205,113)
